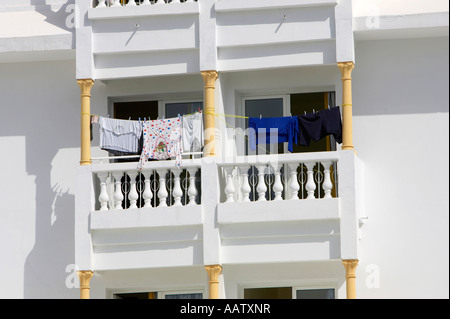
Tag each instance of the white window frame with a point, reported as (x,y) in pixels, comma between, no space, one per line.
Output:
(162,104)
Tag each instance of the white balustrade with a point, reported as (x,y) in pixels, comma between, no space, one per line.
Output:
(133,195)
(118,195)
(166,185)
(245,188)
(192,191)
(104,197)
(177,192)
(130,3)
(275,180)
(229,184)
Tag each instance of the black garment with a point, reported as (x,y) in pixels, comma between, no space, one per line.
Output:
(310,127)
(320,124)
(332,124)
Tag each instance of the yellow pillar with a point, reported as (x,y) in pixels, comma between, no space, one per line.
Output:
(85,87)
(210,78)
(350,277)
(85,277)
(213,275)
(346,69)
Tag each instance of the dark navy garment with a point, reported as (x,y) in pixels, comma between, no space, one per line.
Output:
(314,126)
(286,129)
(310,127)
(332,124)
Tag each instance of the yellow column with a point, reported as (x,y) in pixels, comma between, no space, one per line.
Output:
(210,78)
(213,274)
(85,87)
(347,125)
(350,277)
(85,277)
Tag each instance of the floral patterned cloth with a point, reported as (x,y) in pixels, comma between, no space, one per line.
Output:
(162,140)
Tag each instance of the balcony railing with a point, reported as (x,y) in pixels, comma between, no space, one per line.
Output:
(124,186)
(281,177)
(119,3)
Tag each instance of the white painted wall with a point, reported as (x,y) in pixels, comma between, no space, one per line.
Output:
(401,129)
(362,8)
(39,142)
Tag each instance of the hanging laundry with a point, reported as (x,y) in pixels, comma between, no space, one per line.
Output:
(192,132)
(332,124)
(314,126)
(120,137)
(162,140)
(286,128)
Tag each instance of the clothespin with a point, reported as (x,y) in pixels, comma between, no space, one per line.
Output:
(260,116)
(305,112)
(179,116)
(314,111)
(139,120)
(163,117)
(199,110)
(129,118)
(145,119)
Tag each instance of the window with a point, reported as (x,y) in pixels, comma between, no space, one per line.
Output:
(286,105)
(315,294)
(160,295)
(288,293)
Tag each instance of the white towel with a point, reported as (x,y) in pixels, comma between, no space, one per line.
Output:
(192,133)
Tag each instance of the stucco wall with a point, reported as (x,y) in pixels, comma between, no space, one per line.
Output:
(401,128)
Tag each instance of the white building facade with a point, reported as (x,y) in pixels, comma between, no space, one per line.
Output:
(366,218)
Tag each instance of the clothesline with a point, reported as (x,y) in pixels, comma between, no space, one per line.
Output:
(312,126)
(207,112)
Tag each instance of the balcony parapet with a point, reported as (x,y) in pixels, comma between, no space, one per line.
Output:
(216,210)
(146,8)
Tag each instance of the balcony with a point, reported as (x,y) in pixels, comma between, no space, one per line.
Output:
(270,208)
(149,38)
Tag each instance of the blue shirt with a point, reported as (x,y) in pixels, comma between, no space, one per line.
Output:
(285,127)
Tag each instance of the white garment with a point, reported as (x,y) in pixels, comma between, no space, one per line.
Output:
(192,133)
(162,140)
(120,135)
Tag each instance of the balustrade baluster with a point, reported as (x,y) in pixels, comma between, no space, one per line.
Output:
(245,187)
(101,4)
(147,194)
(229,187)
(277,185)
(118,196)
(115,3)
(192,190)
(177,191)
(162,192)
(327,184)
(294,186)
(146,3)
(131,3)
(261,188)
(133,195)
(103,197)
(310,185)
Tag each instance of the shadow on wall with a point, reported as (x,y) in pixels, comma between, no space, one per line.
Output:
(44,116)
(63,18)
